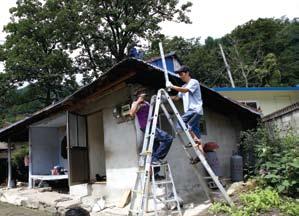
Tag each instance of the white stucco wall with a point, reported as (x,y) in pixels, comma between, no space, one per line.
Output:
(269,101)
(220,129)
(120,146)
(45,148)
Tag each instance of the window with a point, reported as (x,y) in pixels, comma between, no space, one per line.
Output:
(77,130)
(252,104)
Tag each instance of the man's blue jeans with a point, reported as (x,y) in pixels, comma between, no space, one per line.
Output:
(162,144)
(192,119)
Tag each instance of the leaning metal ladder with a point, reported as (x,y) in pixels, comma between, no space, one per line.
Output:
(140,193)
(143,175)
(195,148)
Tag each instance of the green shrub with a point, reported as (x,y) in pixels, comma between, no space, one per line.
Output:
(17,156)
(273,159)
(258,202)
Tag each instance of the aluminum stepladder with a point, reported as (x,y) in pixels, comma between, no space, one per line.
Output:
(148,145)
(141,192)
(169,197)
(199,154)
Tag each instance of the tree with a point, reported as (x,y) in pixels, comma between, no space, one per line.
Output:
(261,52)
(102,30)
(5,90)
(247,49)
(287,44)
(33,53)
(202,59)
(269,74)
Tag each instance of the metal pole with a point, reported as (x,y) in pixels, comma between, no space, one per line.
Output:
(227,67)
(9,183)
(164,64)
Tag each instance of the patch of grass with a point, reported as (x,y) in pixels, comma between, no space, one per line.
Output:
(258,202)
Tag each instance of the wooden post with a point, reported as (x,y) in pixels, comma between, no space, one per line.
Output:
(227,67)
(9,182)
(30,181)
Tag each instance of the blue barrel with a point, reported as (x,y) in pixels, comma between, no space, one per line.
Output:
(236,164)
(213,161)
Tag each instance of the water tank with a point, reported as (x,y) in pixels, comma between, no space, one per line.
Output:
(213,161)
(236,164)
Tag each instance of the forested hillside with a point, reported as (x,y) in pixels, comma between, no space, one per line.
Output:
(48,44)
(263,52)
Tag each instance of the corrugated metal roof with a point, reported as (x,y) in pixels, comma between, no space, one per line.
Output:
(222,89)
(144,73)
(281,112)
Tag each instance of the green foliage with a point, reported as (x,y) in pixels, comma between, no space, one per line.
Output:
(287,46)
(261,52)
(48,42)
(258,202)
(102,31)
(272,158)
(17,156)
(32,53)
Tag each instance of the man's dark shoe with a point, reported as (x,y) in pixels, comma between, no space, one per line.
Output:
(156,163)
(159,162)
(189,145)
(159,177)
(194,160)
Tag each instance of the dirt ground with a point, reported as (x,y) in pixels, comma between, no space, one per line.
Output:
(11,210)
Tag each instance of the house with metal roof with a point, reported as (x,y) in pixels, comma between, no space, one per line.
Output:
(265,99)
(91,136)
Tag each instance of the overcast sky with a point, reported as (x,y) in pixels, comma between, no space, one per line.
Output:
(218,17)
(210,17)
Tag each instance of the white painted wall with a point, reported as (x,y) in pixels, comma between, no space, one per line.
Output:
(119,147)
(45,148)
(220,129)
(269,101)
(121,143)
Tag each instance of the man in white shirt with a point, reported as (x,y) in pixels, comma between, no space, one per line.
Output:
(192,101)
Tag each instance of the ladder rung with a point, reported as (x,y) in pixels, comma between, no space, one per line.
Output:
(174,212)
(163,182)
(170,200)
(209,177)
(137,191)
(145,153)
(165,164)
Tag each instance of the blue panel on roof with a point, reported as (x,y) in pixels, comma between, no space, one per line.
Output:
(169,63)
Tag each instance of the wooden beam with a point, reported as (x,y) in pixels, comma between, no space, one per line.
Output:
(30,180)
(9,182)
(105,90)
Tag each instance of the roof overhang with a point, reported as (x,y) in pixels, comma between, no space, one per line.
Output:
(129,70)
